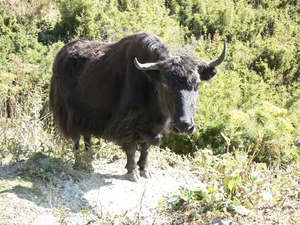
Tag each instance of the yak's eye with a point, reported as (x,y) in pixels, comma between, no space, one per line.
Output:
(180,81)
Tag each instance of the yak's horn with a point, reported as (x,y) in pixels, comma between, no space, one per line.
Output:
(146,66)
(221,58)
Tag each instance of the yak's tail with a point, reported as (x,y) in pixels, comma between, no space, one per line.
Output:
(62,116)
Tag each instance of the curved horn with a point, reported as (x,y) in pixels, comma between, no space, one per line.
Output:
(221,58)
(145,66)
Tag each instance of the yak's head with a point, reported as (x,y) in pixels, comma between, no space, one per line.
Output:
(178,79)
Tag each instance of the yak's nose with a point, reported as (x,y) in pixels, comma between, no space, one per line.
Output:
(183,128)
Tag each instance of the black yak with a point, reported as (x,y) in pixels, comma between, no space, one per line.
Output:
(128,92)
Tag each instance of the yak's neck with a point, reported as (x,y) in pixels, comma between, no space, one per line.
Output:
(158,108)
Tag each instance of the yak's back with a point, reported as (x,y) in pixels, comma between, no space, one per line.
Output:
(75,54)
(93,80)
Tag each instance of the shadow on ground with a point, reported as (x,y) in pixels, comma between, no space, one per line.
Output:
(48,183)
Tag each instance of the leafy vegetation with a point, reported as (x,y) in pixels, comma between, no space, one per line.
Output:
(251,108)
(235,187)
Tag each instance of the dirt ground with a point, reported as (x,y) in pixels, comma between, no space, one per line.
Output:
(28,196)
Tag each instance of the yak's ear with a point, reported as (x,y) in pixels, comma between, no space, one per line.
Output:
(207,73)
(207,70)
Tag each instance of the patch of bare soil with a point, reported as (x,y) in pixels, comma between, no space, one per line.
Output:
(40,191)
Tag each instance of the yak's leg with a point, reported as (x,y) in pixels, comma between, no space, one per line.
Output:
(77,154)
(76,148)
(83,160)
(88,154)
(143,161)
(87,142)
(130,149)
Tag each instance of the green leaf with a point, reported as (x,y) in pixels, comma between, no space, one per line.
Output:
(85,211)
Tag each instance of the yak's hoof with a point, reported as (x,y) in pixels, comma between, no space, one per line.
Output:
(134,176)
(145,173)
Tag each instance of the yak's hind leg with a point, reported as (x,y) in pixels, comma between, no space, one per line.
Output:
(77,153)
(88,154)
(143,161)
(87,142)
(83,159)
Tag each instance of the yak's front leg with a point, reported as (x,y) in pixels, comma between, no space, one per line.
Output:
(143,161)
(130,149)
